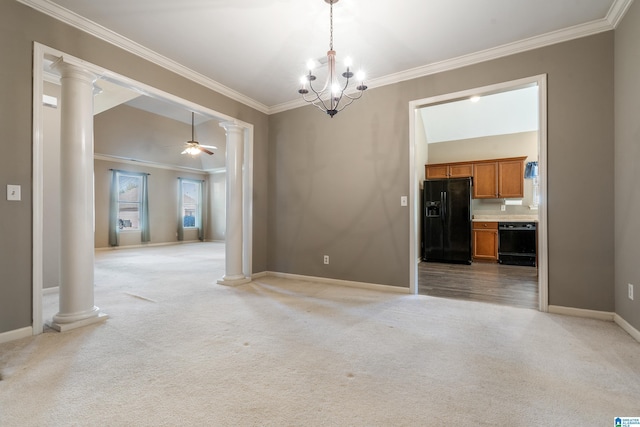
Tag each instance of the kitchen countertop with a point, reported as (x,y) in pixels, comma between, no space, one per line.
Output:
(506,218)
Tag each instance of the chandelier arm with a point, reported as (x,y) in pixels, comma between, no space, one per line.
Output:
(355,97)
(316,100)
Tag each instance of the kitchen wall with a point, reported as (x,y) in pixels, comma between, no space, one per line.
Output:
(627,161)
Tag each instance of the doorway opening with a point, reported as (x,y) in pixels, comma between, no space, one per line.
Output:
(44,55)
(535,205)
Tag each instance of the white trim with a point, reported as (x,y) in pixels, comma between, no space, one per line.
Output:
(51,290)
(130,161)
(37,198)
(40,52)
(613,18)
(146,245)
(626,326)
(543,200)
(16,334)
(617,11)
(582,312)
(414,214)
(247,203)
(337,282)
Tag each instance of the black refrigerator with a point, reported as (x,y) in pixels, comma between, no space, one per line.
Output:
(446,227)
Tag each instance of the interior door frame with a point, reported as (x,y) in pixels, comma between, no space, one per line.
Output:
(42,52)
(415,176)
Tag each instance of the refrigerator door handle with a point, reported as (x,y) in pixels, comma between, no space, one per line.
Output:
(444,205)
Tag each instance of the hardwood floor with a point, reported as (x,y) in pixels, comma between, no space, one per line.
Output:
(488,282)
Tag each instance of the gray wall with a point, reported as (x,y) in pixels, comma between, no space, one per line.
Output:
(627,158)
(335,184)
(20,26)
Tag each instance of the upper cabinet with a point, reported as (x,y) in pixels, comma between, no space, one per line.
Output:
(492,179)
(499,179)
(451,170)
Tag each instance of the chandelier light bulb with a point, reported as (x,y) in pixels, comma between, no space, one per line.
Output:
(311,64)
(360,76)
(348,62)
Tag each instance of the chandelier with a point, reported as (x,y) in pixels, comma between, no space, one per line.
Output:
(332,97)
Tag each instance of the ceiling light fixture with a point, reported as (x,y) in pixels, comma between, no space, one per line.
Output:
(337,98)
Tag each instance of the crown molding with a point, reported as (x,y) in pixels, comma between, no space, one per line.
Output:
(531,43)
(130,161)
(610,22)
(617,11)
(73,19)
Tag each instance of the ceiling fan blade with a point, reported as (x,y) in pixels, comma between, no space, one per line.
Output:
(204,150)
(213,147)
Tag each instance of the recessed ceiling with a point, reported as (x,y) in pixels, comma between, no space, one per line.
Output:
(256,50)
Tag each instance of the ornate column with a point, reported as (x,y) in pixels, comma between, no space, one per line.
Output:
(233,241)
(76,200)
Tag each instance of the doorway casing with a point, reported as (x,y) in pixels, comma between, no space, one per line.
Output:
(414,176)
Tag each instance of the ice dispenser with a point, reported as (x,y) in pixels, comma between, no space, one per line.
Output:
(433,209)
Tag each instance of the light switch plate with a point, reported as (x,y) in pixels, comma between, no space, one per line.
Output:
(13,192)
(403,200)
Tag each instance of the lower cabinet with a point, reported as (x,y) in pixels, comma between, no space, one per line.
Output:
(485,241)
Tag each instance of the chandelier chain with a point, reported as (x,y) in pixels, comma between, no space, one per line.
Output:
(331,26)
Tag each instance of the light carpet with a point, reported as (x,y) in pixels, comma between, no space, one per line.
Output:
(181,350)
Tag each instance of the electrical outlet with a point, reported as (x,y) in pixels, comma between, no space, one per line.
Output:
(503,208)
(326,259)
(630,291)
(403,200)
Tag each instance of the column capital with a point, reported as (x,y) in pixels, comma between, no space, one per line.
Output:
(70,70)
(232,127)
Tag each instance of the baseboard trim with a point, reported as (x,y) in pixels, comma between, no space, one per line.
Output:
(16,334)
(582,312)
(626,326)
(259,275)
(337,282)
(147,245)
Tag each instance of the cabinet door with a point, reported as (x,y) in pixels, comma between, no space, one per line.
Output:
(485,180)
(511,179)
(461,171)
(485,245)
(437,171)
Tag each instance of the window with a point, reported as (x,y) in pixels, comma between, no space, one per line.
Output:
(128,205)
(190,203)
(129,201)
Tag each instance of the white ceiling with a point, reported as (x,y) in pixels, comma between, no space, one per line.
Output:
(501,113)
(255,50)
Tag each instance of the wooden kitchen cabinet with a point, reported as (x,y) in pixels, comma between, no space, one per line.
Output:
(511,178)
(449,170)
(497,179)
(485,241)
(485,180)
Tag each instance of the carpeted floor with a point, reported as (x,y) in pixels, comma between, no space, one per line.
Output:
(180,350)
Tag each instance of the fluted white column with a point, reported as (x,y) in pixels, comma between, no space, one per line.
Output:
(233,241)
(76,200)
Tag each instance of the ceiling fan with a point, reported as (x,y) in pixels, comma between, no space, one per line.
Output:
(193,147)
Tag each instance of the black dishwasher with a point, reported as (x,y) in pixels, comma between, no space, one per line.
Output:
(517,243)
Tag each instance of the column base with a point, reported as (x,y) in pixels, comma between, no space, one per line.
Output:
(63,327)
(233,280)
